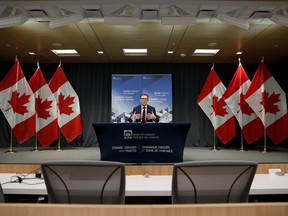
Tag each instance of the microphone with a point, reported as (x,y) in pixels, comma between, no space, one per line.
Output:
(19,179)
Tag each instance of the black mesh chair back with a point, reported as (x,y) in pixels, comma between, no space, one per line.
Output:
(1,195)
(212,181)
(86,182)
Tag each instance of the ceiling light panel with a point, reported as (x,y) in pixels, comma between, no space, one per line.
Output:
(205,52)
(65,17)
(12,17)
(280,17)
(150,16)
(235,21)
(205,15)
(39,15)
(94,15)
(65,52)
(135,52)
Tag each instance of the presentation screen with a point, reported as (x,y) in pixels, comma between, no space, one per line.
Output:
(126,91)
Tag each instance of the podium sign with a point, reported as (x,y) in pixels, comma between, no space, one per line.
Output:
(142,143)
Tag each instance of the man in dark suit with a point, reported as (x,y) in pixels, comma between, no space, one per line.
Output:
(144,113)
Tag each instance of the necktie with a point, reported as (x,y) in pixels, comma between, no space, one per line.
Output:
(143,115)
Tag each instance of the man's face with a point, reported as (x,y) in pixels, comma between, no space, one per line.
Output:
(144,100)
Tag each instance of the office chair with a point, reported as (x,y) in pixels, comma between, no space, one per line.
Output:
(2,200)
(218,181)
(84,181)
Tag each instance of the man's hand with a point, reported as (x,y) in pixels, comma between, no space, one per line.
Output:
(135,116)
(151,116)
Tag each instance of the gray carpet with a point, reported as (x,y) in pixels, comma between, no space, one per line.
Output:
(28,156)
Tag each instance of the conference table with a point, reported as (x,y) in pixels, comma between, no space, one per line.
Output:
(141,185)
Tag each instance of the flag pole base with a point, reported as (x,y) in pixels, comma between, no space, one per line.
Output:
(10,151)
(265,151)
(36,150)
(215,149)
(242,150)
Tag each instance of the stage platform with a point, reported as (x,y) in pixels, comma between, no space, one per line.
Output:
(25,160)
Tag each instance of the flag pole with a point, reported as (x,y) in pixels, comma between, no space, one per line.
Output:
(59,143)
(265,137)
(241,148)
(214,145)
(242,145)
(11,144)
(59,140)
(214,135)
(265,142)
(36,139)
(11,131)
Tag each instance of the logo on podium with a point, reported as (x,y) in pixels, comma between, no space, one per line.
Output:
(128,134)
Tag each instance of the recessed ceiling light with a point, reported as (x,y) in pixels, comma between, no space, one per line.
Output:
(170,52)
(57,44)
(205,52)
(65,52)
(182,54)
(238,53)
(212,44)
(100,52)
(31,53)
(135,52)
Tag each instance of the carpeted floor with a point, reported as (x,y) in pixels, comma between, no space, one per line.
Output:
(28,156)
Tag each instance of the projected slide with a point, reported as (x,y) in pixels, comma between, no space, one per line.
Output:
(126,91)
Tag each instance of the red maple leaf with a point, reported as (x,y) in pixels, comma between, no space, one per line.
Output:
(244,106)
(64,103)
(41,108)
(269,102)
(218,105)
(17,103)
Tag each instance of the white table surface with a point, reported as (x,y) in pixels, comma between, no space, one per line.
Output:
(269,184)
(138,185)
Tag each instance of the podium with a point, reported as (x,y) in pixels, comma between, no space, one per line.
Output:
(142,143)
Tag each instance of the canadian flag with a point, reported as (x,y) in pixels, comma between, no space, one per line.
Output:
(69,117)
(17,103)
(211,102)
(46,109)
(268,101)
(250,124)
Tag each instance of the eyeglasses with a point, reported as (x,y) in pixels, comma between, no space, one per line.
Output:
(144,98)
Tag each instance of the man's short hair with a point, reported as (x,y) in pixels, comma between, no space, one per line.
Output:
(144,94)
